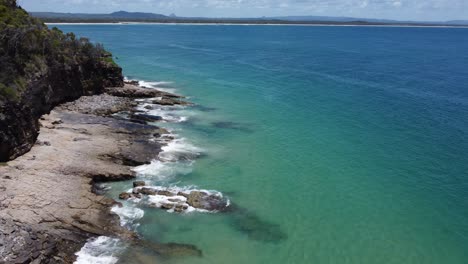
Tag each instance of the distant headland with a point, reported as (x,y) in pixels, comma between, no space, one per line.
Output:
(140,17)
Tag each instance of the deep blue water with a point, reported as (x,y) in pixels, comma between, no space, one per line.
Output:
(352,142)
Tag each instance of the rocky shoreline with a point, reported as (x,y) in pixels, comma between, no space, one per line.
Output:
(50,200)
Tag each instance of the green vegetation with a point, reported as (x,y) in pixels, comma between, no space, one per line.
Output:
(28,49)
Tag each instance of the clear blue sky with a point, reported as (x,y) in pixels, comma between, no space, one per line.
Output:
(393,9)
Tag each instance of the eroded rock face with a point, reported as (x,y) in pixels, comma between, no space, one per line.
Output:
(21,243)
(19,119)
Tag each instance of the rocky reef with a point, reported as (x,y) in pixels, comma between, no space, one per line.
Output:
(173,199)
(50,201)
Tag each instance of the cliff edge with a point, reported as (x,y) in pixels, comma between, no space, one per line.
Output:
(39,69)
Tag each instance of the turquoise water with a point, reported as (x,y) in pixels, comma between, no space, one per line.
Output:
(344,144)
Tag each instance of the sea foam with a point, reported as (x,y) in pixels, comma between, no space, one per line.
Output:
(159,200)
(163,86)
(100,250)
(128,215)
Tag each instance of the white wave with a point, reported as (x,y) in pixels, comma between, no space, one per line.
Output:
(159,200)
(162,86)
(179,149)
(176,158)
(128,215)
(100,250)
(159,171)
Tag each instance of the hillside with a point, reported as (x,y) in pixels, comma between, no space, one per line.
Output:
(41,68)
(112,16)
(123,16)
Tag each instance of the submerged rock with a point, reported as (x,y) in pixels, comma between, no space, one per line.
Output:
(171,250)
(170,101)
(231,125)
(126,196)
(256,228)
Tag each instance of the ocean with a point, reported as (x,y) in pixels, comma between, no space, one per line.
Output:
(334,144)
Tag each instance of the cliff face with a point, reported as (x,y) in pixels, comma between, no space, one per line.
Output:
(39,69)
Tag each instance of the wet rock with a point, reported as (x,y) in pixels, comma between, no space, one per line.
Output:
(133,91)
(132,82)
(180,208)
(125,196)
(167,206)
(138,183)
(170,101)
(147,191)
(145,118)
(165,193)
(139,153)
(186,195)
(203,200)
(112,176)
(99,189)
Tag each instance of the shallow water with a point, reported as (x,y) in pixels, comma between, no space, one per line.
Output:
(334,144)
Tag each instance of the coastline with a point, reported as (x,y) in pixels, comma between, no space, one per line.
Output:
(253,24)
(52,201)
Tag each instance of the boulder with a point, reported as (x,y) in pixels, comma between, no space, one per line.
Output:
(165,193)
(167,206)
(146,191)
(203,200)
(125,196)
(180,208)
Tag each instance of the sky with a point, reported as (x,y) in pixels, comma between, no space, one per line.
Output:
(421,10)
